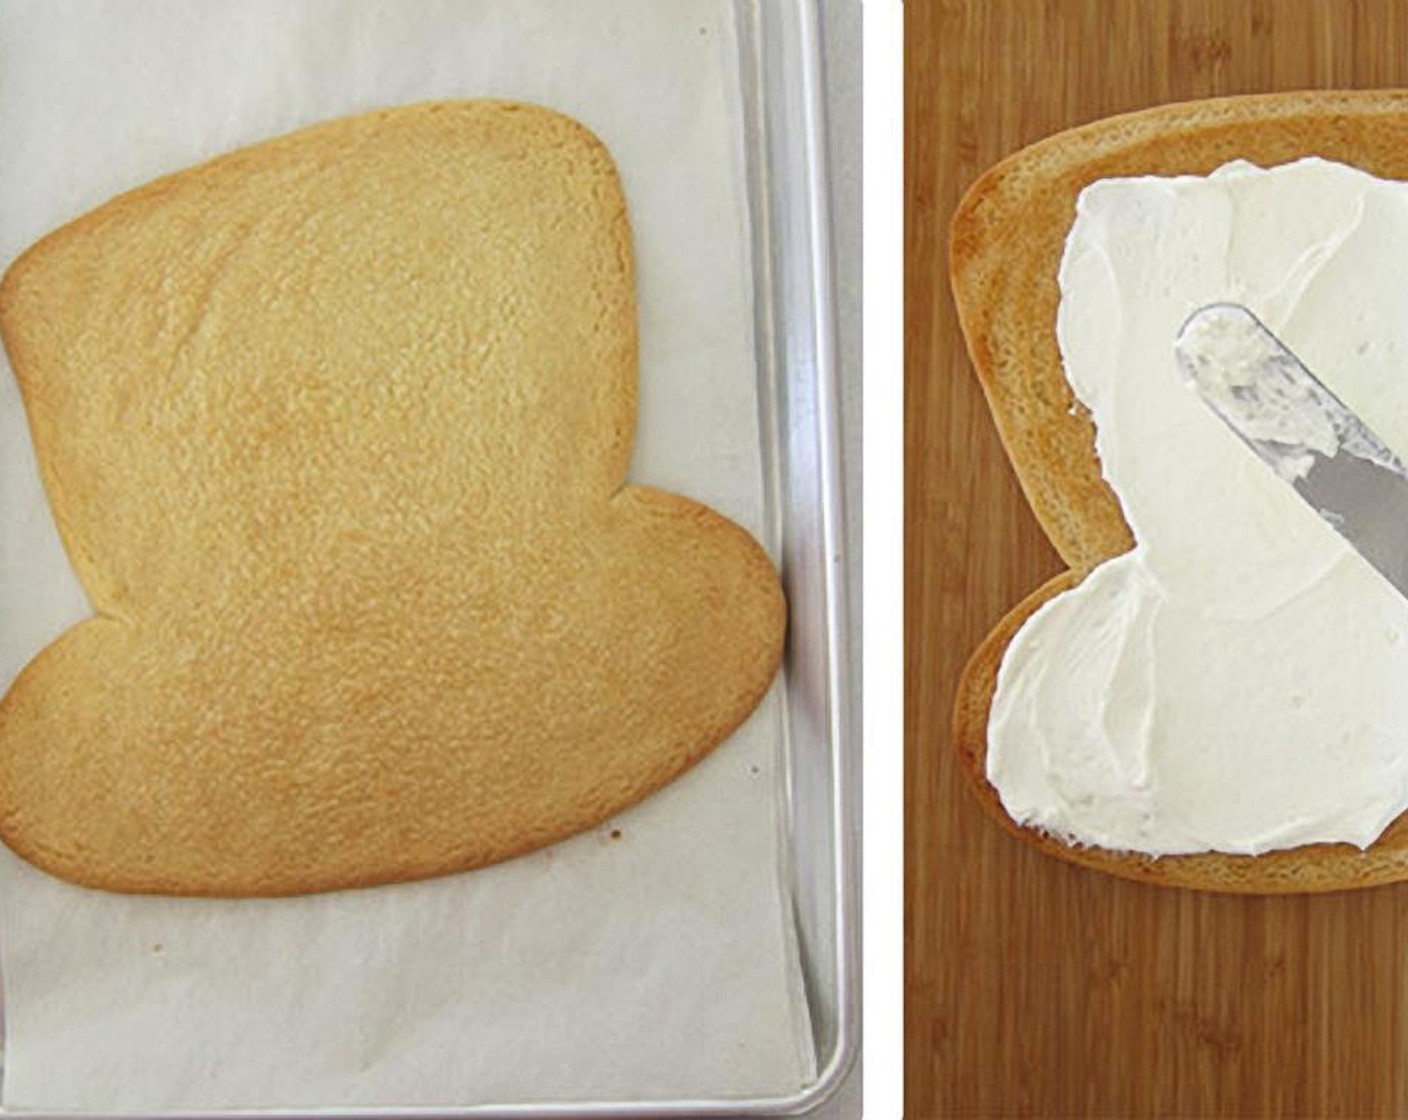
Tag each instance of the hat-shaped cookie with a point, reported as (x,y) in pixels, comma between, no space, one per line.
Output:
(335,432)
(1018,228)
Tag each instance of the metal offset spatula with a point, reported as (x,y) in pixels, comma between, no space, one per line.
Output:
(1305,433)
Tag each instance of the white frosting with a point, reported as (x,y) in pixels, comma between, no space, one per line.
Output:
(1238,681)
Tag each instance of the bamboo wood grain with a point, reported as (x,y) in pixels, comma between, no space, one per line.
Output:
(1034,987)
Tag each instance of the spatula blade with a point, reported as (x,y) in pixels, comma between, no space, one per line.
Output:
(1305,433)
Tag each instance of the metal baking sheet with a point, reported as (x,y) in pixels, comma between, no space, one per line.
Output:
(780,60)
(796,339)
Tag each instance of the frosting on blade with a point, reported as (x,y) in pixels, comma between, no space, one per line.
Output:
(1239,681)
(1268,397)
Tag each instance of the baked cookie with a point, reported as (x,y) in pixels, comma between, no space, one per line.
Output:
(335,431)
(1005,251)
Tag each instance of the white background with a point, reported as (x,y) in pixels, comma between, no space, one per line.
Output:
(884,572)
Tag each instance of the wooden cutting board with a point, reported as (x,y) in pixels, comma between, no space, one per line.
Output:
(1034,987)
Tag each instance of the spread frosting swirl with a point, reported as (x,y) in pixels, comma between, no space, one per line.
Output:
(1237,682)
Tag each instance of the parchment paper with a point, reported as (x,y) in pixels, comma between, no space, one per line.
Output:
(656,963)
